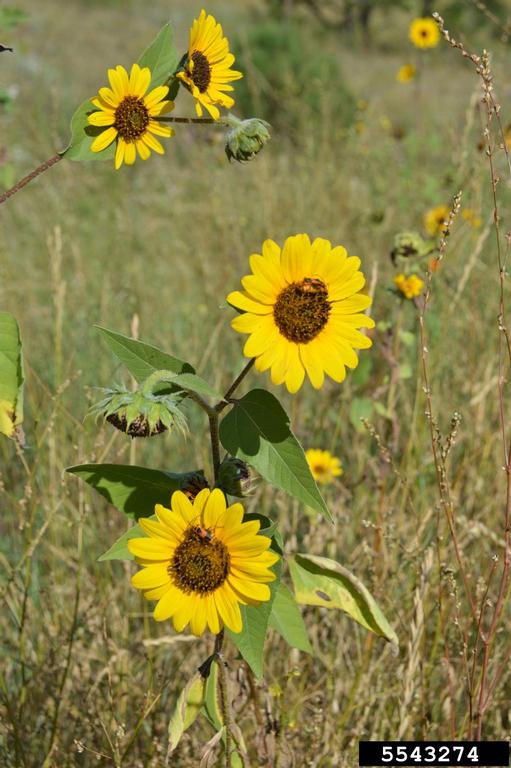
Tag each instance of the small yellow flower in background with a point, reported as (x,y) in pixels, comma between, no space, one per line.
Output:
(207,72)
(435,219)
(324,467)
(424,32)
(302,308)
(410,287)
(200,562)
(127,115)
(406,73)
(469,215)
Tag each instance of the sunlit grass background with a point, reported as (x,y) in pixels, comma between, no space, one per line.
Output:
(355,157)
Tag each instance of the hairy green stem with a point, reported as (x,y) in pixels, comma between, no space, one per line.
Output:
(190,120)
(225,704)
(32,175)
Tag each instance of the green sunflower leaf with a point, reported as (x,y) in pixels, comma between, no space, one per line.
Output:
(132,490)
(320,581)
(119,549)
(11,375)
(257,431)
(193,383)
(286,619)
(161,56)
(142,359)
(250,641)
(189,704)
(82,136)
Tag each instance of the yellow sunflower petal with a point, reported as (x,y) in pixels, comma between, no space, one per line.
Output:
(171,519)
(150,549)
(296,258)
(295,372)
(158,531)
(199,616)
(229,611)
(310,356)
(142,149)
(104,140)
(183,612)
(153,143)
(212,616)
(130,153)
(119,153)
(159,129)
(244,302)
(101,118)
(156,95)
(214,510)
(150,577)
(182,505)
(168,604)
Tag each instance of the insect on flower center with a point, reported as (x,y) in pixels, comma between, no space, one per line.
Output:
(131,118)
(200,71)
(200,563)
(302,309)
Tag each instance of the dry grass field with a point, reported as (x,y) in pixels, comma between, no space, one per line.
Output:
(87,677)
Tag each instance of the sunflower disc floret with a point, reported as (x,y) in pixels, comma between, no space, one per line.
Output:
(127,114)
(303,310)
(201,562)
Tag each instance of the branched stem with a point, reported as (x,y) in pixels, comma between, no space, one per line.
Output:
(190,120)
(26,179)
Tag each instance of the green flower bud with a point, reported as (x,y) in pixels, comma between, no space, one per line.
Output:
(234,478)
(409,246)
(246,138)
(194,483)
(139,413)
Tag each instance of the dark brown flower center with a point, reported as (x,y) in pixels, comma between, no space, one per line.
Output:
(201,71)
(131,118)
(200,563)
(302,309)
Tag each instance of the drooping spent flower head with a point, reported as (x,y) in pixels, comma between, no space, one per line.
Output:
(424,32)
(245,138)
(201,562)
(128,116)
(409,246)
(324,467)
(410,287)
(302,308)
(139,413)
(207,70)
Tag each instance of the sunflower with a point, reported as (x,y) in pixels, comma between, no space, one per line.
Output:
(470,216)
(406,73)
(324,467)
(424,32)
(410,286)
(128,115)
(302,308)
(207,72)
(201,562)
(435,219)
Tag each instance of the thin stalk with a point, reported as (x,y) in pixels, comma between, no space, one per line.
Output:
(190,120)
(32,175)
(235,384)
(225,704)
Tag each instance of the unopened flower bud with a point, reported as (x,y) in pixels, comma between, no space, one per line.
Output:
(193,484)
(245,138)
(234,477)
